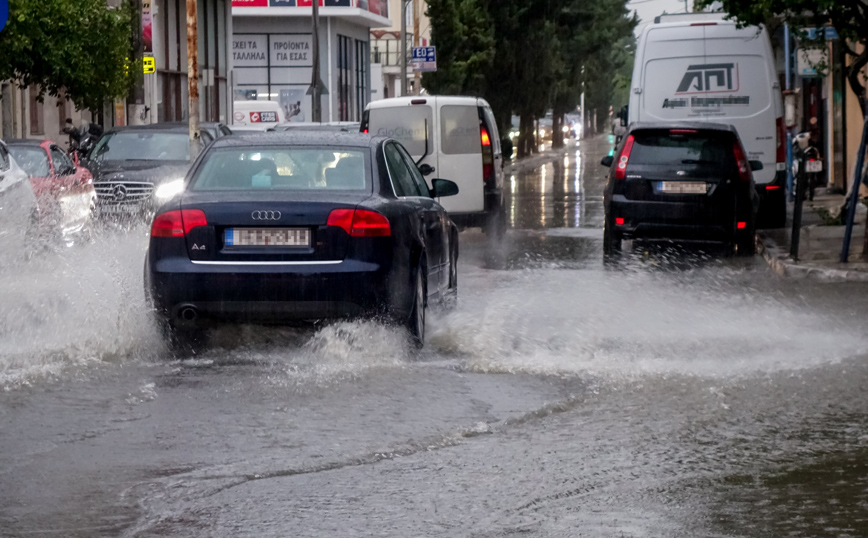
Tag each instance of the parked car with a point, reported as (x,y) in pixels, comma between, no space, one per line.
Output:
(701,67)
(136,169)
(64,192)
(680,180)
(211,130)
(259,113)
(290,226)
(456,137)
(19,213)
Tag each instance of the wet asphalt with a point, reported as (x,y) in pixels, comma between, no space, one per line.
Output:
(684,393)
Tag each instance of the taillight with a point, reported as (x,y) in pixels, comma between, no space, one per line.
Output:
(741,162)
(781,153)
(621,169)
(360,222)
(177,223)
(487,155)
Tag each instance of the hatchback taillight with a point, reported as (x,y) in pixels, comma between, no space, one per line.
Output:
(741,162)
(360,222)
(621,168)
(177,223)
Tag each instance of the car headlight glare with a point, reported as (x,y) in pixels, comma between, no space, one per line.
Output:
(169,189)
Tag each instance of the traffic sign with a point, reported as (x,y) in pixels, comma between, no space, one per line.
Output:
(4,13)
(149,65)
(828,33)
(424,59)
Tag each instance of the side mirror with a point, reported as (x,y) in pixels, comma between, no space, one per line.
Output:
(75,159)
(443,187)
(755,165)
(607,161)
(624,115)
(426,169)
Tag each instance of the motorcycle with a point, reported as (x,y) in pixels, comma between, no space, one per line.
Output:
(803,149)
(82,141)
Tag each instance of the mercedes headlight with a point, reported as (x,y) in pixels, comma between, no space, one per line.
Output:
(169,189)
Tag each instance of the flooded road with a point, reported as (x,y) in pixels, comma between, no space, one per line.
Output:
(684,394)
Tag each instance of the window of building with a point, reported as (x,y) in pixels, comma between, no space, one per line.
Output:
(361,78)
(346,104)
(37,113)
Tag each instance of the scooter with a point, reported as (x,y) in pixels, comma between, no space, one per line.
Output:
(82,141)
(803,149)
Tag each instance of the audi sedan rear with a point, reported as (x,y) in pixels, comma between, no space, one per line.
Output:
(285,227)
(680,181)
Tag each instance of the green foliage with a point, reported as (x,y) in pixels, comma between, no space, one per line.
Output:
(77,48)
(528,56)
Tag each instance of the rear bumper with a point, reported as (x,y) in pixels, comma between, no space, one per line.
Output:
(674,220)
(265,293)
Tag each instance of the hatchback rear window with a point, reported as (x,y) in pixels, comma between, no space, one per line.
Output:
(680,147)
(283,169)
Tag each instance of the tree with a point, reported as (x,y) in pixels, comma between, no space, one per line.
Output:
(79,49)
(464,37)
(849,18)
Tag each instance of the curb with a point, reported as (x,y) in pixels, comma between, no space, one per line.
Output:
(784,266)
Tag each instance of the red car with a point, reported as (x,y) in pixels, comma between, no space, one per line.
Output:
(64,191)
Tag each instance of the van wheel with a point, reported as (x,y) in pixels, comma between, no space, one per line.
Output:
(495,227)
(450,300)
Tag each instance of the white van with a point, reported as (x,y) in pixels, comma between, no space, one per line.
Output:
(452,138)
(700,67)
(258,114)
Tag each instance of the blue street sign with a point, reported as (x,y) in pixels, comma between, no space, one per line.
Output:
(4,13)
(828,33)
(424,59)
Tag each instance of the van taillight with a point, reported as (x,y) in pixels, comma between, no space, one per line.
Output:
(741,162)
(487,154)
(781,153)
(621,168)
(360,222)
(177,223)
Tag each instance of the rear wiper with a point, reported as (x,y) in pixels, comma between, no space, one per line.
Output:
(696,161)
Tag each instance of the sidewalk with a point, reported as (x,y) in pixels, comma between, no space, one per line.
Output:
(820,243)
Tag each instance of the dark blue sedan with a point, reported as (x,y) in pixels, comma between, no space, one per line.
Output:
(287,227)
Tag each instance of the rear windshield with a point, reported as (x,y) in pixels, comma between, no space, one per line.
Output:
(142,146)
(406,124)
(669,147)
(459,129)
(283,169)
(31,160)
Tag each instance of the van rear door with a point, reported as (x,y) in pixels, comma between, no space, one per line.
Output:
(412,125)
(461,157)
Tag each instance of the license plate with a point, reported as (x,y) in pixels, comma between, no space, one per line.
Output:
(266,237)
(814,166)
(682,187)
(119,209)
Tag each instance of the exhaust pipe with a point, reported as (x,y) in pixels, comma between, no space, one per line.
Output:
(188,313)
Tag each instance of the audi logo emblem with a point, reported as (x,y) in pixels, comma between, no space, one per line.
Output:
(265,215)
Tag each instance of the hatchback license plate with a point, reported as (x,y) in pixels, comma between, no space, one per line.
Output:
(266,237)
(682,187)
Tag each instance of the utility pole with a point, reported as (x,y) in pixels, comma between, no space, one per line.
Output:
(404,47)
(417,77)
(193,77)
(315,90)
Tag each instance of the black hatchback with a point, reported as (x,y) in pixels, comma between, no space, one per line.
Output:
(281,227)
(680,181)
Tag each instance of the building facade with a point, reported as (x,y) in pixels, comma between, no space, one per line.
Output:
(273,60)
(386,48)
